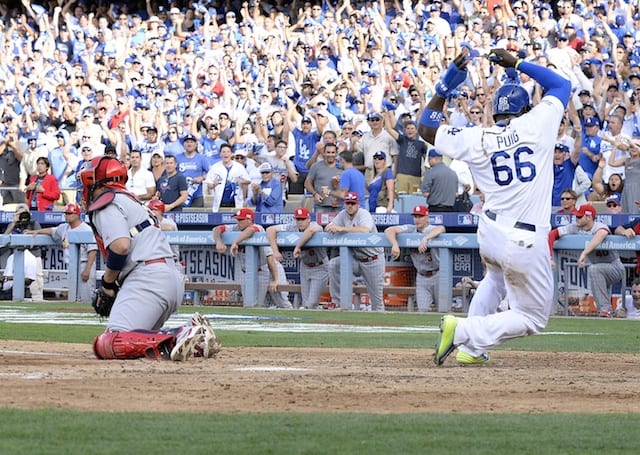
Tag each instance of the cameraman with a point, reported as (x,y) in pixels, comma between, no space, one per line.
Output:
(21,222)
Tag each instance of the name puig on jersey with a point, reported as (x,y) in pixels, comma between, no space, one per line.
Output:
(507,139)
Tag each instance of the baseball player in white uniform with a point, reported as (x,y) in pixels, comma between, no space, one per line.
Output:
(426,260)
(88,252)
(368,262)
(512,162)
(139,272)
(314,262)
(270,271)
(604,267)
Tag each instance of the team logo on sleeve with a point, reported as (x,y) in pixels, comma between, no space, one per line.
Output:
(453,130)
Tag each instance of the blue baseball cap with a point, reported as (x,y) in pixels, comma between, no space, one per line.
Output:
(591,121)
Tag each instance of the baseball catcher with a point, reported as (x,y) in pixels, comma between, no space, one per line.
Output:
(136,254)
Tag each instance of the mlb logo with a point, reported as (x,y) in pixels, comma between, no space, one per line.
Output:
(436,219)
(465,220)
(269,218)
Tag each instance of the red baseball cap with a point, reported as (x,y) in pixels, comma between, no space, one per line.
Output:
(421,210)
(351,197)
(245,214)
(301,213)
(73,208)
(586,209)
(156,204)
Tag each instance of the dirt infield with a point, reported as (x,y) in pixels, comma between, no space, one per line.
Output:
(46,375)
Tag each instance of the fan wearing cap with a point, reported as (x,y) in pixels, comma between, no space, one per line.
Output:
(194,166)
(615,148)
(407,164)
(377,139)
(426,260)
(381,187)
(590,150)
(148,142)
(302,145)
(565,161)
(368,262)
(440,184)
(604,267)
(314,261)
(270,272)
(266,196)
(88,251)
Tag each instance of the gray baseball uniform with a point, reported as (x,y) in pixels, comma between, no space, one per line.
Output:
(314,269)
(427,265)
(367,262)
(60,233)
(604,269)
(279,299)
(151,288)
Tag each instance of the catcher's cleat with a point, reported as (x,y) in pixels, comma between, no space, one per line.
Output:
(444,345)
(467,359)
(186,341)
(210,345)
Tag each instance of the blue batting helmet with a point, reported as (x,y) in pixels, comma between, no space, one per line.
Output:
(510,99)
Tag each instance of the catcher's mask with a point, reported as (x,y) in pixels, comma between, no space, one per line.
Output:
(102,171)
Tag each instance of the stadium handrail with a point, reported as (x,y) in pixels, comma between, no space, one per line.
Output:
(446,243)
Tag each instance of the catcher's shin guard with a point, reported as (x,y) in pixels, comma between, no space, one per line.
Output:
(133,345)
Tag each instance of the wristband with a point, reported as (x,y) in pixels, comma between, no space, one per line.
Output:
(431,118)
(450,80)
(116,261)
(518,63)
(111,286)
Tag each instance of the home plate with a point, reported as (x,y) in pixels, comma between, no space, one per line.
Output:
(268,368)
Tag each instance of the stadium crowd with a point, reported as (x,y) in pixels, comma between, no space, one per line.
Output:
(271,78)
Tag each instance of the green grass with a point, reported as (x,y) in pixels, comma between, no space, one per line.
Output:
(59,431)
(69,432)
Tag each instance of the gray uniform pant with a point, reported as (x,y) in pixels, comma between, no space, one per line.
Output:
(601,278)
(372,274)
(426,291)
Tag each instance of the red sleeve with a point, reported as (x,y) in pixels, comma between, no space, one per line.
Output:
(255,228)
(51,188)
(222,228)
(553,236)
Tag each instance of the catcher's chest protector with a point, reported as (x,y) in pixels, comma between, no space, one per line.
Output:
(133,345)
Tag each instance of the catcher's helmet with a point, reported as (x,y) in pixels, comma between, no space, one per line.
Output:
(156,204)
(510,99)
(101,171)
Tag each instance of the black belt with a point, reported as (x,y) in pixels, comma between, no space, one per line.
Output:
(429,273)
(245,271)
(313,264)
(519,224)
(368,259)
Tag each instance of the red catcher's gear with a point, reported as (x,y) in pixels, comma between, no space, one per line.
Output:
(134,345)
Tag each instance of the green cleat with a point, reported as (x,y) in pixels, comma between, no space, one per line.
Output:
(444,345)
(467,359)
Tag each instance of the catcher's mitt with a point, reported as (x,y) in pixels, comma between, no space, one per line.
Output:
(102,302)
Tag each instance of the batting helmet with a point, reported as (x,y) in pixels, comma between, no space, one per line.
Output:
(510,99)
(156,204)
(102,171)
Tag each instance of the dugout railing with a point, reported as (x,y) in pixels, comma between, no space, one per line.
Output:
(343,242)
